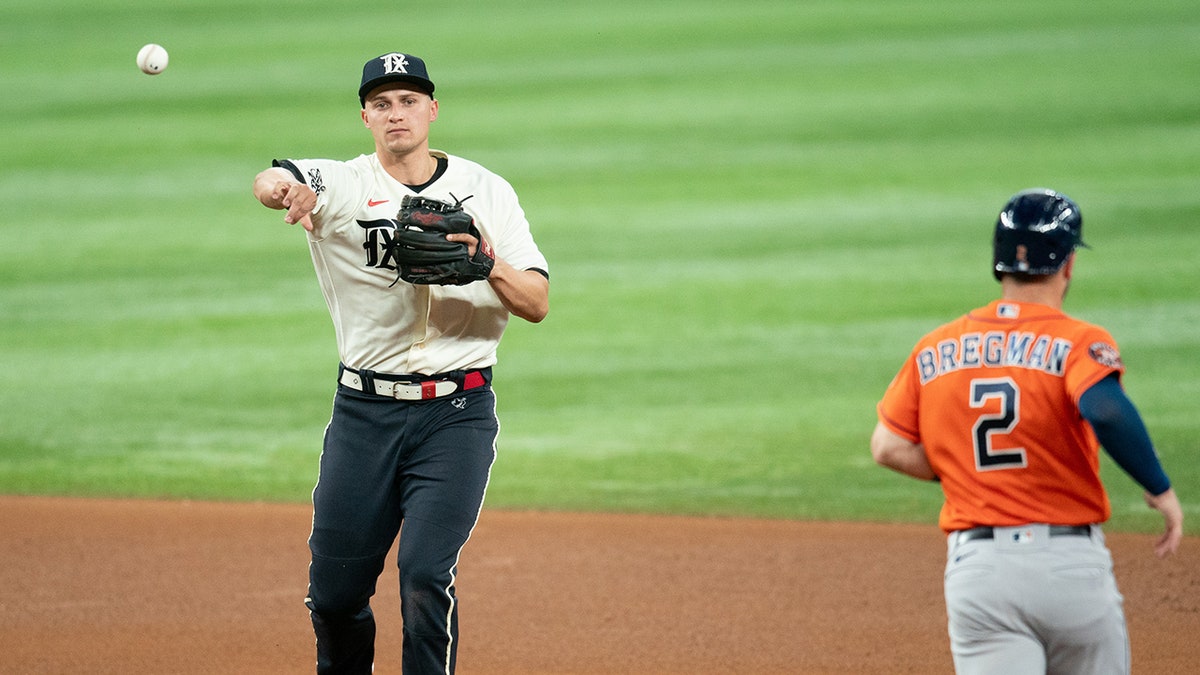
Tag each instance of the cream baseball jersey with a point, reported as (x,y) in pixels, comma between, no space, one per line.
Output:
(399,327)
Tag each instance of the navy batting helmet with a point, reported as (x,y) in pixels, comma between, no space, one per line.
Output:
(1036,232)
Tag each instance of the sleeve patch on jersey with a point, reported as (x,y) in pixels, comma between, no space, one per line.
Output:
(315,182)
(1105,354)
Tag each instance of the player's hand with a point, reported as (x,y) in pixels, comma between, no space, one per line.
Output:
(471,242)
(1168,505)
(299,200)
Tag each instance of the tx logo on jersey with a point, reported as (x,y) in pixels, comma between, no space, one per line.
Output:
(377,242)
(394,63)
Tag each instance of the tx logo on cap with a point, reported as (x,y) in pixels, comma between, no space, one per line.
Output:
(393,67)
(395,63)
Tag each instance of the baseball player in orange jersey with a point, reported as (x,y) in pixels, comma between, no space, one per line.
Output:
(1007,406)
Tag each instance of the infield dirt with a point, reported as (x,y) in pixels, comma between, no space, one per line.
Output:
(109,586)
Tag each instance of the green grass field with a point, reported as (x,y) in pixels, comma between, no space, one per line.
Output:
(751,211)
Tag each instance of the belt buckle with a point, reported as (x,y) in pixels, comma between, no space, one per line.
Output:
(419,391)
(406,391)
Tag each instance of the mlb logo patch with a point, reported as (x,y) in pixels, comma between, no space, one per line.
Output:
(1022,536)
(1007,311)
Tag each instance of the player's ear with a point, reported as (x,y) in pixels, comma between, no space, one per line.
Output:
(1069,266)
(364,118)
(433,109)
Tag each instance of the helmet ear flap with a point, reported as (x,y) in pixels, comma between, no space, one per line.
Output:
(1036,232)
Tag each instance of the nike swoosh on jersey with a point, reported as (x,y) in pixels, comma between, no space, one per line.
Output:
(372,202)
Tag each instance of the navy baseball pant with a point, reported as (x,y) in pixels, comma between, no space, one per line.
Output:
(414,468)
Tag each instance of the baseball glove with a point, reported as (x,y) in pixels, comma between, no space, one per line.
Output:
(421,251)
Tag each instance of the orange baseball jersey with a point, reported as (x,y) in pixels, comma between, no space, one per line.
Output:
(994,398)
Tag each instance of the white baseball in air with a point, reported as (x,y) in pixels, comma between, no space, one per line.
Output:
(152,59)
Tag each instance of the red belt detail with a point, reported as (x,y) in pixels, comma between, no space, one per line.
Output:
(473,379)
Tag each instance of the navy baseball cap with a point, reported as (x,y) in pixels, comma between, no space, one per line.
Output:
(394,67)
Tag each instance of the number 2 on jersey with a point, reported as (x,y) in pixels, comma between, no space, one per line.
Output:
(1003,422)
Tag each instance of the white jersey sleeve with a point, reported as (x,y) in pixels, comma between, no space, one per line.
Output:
(350,182)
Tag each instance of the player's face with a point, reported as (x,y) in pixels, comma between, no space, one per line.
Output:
(399,118)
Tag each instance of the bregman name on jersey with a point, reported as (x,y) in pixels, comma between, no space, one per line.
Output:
(994,349)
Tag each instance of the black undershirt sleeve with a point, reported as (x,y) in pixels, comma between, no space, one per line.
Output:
(1121,432)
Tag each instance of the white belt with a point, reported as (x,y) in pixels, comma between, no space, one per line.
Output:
(420,390)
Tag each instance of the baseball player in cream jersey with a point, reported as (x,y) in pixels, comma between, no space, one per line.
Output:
(410,445)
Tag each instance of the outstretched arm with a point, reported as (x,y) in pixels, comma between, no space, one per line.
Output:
(278,189)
